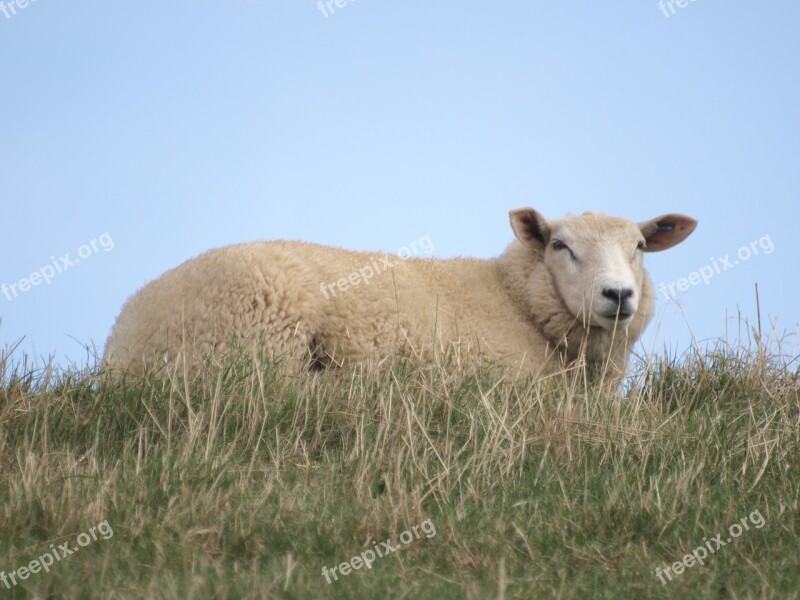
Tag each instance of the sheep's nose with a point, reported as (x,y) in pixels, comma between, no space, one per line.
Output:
(618,295)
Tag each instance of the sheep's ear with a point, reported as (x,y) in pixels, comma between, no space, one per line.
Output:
(666,231)
(530,227)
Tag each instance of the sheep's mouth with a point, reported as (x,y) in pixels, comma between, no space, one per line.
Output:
(621,315)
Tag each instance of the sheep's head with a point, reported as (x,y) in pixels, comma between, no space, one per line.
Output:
(596,260)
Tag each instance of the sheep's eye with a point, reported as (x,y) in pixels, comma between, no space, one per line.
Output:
(559,245)
(639,248)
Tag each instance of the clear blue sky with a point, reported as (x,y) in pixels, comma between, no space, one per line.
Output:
(176,127)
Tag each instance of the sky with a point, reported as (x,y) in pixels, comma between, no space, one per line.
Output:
(135,136)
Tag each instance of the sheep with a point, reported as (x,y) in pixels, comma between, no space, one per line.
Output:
(561,291)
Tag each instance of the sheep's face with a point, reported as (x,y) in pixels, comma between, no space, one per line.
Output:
(596,260)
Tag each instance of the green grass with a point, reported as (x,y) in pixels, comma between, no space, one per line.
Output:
(247,483)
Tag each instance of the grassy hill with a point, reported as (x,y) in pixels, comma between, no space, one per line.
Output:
(247,484)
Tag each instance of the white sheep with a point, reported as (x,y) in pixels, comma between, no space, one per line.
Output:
(563,289)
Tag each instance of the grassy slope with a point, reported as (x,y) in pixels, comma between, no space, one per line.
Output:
(247,485)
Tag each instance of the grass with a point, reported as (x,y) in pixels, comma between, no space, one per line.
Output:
(246,483)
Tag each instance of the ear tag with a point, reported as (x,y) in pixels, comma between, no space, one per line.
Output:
(665,228)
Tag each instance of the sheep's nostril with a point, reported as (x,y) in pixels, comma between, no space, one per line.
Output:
(618,295)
